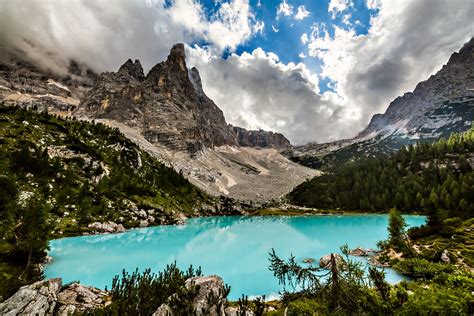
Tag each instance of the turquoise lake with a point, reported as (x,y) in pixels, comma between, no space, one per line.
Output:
(235,248)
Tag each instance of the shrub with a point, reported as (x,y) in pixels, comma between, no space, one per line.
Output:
(421,268)
(142,293)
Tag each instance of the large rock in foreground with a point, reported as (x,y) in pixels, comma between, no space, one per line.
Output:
(39,298)
(209,299)
(50,298)
(78,298)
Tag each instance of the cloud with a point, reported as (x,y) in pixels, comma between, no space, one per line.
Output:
(101,35)
(275,29)
(301,13)
(259,27)
(373,4)
(284,9)
(338,6)
(406,43)
(304,38)
(257,90)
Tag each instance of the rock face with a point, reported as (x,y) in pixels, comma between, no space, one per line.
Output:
(49,298)
(39,298)
(106,227)
(27,86)
(209,299)
(168,106)
(77,299)
(437,107)
(436,104)
(261,139)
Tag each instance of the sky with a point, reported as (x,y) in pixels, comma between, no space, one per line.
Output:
(314,70)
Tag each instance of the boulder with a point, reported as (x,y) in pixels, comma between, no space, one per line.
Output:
(325,262)
(358,251)
(445,257)
(142,214)
(235,311)
(39,298)
(107,227)
(207,287)
(77,298)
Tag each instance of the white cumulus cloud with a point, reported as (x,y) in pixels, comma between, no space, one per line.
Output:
(338,6)
(301,13)
(284,9)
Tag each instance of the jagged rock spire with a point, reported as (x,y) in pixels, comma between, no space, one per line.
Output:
(132,69)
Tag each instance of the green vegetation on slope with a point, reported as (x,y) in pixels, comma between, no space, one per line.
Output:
(57,176)
(426,177)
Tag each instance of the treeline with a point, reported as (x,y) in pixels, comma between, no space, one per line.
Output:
(426,177)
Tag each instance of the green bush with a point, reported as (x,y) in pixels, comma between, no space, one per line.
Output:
(417,268)
(142,293)
(306,307)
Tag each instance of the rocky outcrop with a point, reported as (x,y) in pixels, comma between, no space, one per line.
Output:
(25,85)
(78,299)
(362,252)
(106,227)
(209,299)
(50,298)
(437,107)
(39,298)
(260,138)
(413,113)
(168,106)
(326,261)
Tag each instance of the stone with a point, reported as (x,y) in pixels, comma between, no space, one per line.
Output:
(142,214)
(106,227)
(445,256)
(235,311)
(325,261)
(308,260)
(206,286)
(39,298)
(144,223)
(358,251)
(77,298)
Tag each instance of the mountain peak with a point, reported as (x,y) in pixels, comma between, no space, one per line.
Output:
(178,56)
(195,79)
(132,70)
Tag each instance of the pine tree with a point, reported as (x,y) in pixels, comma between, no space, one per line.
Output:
(396,229)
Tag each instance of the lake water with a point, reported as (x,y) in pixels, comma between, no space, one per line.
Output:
(235,248)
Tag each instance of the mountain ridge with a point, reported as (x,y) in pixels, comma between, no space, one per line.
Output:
(438,106)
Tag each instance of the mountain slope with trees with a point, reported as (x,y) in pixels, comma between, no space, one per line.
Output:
(57,176)
(428,177)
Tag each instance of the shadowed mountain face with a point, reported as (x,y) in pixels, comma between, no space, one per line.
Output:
(437,107)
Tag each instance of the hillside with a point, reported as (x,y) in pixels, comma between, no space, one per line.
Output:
(426,177)
(58,177)
(437,107)
(166,113)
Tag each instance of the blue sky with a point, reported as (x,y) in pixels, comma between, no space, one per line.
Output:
(282,33)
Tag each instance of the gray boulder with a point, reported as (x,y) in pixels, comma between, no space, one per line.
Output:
(325,262)
(209,299)
(106,227)
(77,298)
(39,298)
